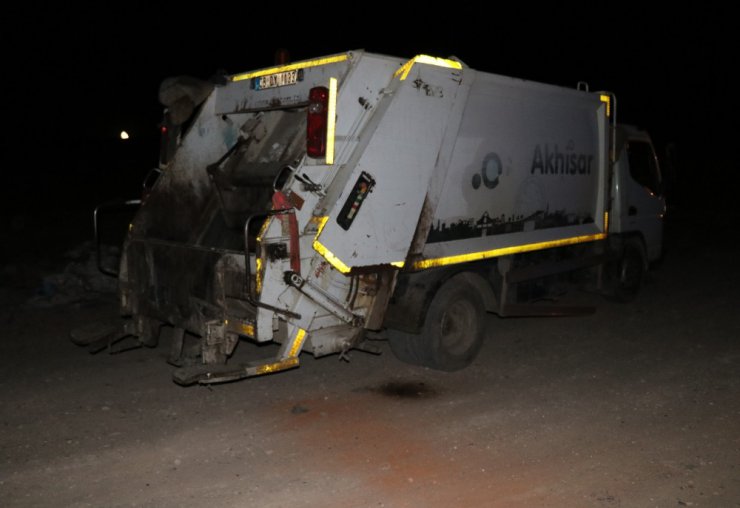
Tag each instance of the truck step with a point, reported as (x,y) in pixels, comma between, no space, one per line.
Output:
(211,374)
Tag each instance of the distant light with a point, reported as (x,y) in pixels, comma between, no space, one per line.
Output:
(124,135)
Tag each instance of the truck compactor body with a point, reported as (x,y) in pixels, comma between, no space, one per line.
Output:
(311,203)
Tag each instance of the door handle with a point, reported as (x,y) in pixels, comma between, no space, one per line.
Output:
(632,210)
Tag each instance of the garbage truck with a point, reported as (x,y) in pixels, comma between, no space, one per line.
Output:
(318,203)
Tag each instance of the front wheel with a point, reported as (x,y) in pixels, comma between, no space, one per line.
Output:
(630,272)
(453,330)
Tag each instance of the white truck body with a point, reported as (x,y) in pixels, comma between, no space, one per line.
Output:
(428,168)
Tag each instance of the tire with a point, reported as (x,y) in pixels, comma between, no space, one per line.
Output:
(406,347)
(630,272)
(453,330)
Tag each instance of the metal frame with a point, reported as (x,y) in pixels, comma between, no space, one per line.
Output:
(251,297)
(100,208)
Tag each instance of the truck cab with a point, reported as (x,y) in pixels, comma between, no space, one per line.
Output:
(638,206)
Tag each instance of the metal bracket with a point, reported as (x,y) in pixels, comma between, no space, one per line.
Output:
(323,298)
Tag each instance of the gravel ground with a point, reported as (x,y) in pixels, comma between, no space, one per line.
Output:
(637,405)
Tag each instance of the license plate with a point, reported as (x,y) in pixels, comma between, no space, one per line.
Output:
(278,79)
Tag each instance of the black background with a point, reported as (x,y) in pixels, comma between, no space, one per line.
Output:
(77,76)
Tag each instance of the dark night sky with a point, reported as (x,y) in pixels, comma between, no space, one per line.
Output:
(76,83)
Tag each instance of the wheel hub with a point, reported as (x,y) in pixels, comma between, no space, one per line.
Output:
(457,327)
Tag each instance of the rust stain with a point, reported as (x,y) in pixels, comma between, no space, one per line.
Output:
(401,463)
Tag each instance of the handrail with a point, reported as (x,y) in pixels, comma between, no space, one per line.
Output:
(101,207)
(252,298)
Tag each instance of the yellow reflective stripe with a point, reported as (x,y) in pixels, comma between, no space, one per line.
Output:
(263,229)
(425,59)
(326,253)
(290,67)
(295,348)
(329,256)
(247,329)
(258,258)
(477,256)
(288,363)
(608,100)
(331,120)
(606,222)
(258,275)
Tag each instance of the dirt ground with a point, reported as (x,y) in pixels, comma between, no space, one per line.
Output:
(637,405)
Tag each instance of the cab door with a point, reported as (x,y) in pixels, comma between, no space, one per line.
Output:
(642,201)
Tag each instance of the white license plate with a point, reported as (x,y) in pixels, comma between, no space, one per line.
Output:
(276,80)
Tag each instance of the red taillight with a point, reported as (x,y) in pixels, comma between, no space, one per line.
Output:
(318,104)
(167,140)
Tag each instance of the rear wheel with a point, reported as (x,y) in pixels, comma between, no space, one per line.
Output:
(406,347)
(453,330)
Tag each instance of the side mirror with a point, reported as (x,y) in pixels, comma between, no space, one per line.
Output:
(149,180)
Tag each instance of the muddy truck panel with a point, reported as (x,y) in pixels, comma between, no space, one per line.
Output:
(312,203)
(243,157)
